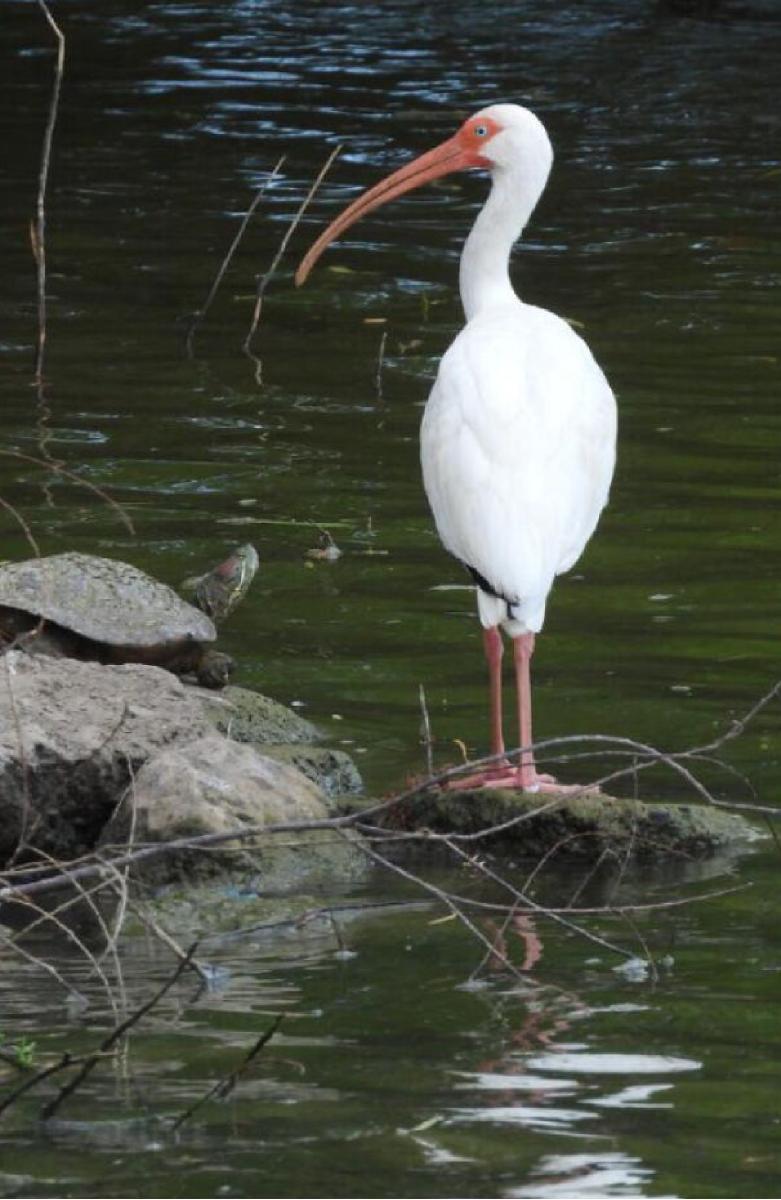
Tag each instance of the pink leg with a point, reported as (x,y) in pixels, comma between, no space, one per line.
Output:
(492,644)
(502,773)
(523,648)
(529,779)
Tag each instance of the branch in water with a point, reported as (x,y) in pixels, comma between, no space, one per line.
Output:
(38,228)
(265,280)
(201,313)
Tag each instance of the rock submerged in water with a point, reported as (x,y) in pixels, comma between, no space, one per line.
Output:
(583,825)
(246,716)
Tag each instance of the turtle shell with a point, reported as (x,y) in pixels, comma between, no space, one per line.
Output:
(103,599)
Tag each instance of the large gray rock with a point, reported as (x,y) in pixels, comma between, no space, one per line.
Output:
(214,786)
(72,735)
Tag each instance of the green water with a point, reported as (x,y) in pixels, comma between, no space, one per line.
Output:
(658,234)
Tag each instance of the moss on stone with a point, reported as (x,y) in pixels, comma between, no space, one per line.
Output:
(583,825)
(246,716)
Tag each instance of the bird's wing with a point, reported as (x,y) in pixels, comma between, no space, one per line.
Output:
(518,448)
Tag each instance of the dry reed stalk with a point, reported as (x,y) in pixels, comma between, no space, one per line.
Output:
(38,228)
(200,314)
(380,364)
(264,281)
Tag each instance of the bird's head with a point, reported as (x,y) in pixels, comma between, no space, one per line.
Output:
(497,138)
(504,136)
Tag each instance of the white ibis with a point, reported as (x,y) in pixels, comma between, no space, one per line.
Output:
(518,435)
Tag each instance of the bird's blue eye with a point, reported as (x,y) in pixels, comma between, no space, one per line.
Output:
(480,130)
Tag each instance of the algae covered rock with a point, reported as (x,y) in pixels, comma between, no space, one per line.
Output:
(246,716)
(579,825)
(332,770)
(256,720)
(231,904)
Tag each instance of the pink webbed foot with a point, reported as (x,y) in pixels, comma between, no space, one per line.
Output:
(503,775)
(522,779)
(548,783)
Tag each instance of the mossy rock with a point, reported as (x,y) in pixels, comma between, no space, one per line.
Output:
(256,720)
(229,905)
(332,770)
(246,716)
(583,825)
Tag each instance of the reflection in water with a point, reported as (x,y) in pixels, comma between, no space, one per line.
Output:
(613,1064)
(562,1091)
(598,1174)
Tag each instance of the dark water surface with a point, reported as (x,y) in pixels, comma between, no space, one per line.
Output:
(659,236)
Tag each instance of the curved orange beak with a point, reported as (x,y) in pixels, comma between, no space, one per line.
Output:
(452,155)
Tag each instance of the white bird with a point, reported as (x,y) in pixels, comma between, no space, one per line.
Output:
(518,435)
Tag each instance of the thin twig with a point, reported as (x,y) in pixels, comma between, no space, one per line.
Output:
(66,1060)
(450,901)
(38,229)
(538,909)
(38,242)
(59,469)
(82,894)
(146,918)
(265,280)
(425,731)
(223,1087)
(199,314)
(26,530)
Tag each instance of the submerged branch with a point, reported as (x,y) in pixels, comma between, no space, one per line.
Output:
(117,1032)
(224,1087)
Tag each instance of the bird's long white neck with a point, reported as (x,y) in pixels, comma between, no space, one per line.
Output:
(484,275)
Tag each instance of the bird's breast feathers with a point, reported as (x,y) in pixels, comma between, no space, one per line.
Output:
(518,447)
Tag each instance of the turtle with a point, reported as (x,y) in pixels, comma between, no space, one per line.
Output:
(85,606)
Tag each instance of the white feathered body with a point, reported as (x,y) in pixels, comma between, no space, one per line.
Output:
(518,450)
